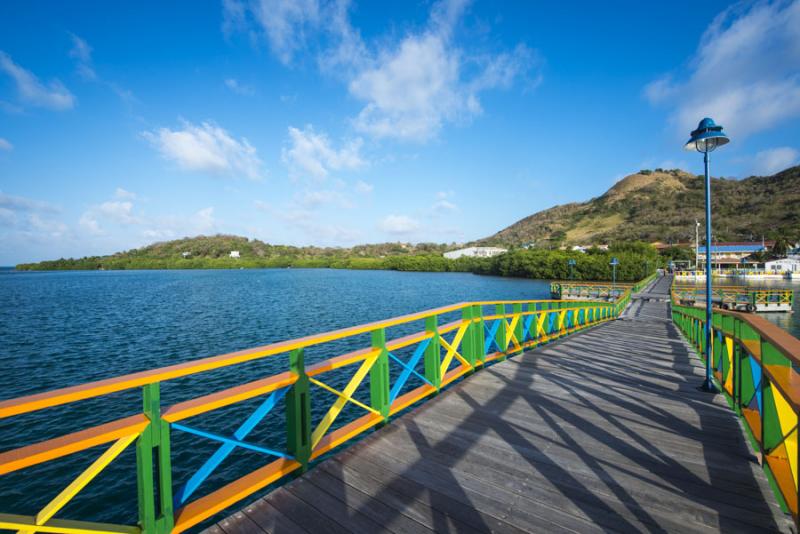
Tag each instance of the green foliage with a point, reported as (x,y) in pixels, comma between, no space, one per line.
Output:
(552,264)
(213,253)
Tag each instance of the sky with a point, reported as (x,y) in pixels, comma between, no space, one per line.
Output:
(335,122)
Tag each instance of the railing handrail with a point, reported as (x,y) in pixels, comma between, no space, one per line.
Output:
(98,388)
(783,341)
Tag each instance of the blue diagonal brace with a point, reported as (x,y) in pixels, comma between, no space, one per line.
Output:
(228,445)
(491,337)
(408,370)
(526,330)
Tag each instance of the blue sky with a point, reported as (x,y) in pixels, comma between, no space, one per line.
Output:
(336,123)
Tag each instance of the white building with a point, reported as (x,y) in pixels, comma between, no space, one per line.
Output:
(474,252)
(186,254)
(783,265)
(234,254)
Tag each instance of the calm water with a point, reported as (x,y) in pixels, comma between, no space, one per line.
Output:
(63,328)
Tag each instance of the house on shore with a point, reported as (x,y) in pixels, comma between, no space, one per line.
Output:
(475,252)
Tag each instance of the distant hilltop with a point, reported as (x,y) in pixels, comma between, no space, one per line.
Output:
(662,205)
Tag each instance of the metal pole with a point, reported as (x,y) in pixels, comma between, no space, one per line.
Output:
(708,384)
(696,245)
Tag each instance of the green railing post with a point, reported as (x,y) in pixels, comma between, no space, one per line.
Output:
(433,354)
(298,411)
(737,366)
(502,342)
(154,439)
(517,310)
(379,375)
(468,341)
(479,332)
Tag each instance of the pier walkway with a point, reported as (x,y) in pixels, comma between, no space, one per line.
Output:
(604,430)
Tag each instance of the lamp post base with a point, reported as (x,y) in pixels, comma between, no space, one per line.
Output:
(708,386)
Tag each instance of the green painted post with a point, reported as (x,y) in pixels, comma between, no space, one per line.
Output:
(737,366)
(379,375)
(468,341)
(517,309)
(298,411)
(154,439)
(433,354)
(502,342)
(479,332)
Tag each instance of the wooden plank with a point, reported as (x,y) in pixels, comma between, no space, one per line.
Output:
(270,519)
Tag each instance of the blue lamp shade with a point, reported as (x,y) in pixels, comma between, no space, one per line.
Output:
(707,137)
(614,261)
(570,262)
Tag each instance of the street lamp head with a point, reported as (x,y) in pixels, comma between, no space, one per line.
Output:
(707,137)
(571,262)
(614,261)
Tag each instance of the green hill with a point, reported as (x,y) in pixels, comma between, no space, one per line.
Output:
(662,205)
(208,252)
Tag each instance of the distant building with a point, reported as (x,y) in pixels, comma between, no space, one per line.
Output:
(234,254)
(186,254)
(783,265)
(475,252)
(733,254)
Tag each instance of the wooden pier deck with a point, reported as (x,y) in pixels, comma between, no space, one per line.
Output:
(603,431)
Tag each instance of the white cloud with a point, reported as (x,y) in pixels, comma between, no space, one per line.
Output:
(409,87)
(239,88)
(207,148)
(311,154)
(412,89)
(175,226)
(285,23)
(5,145)
(320,197)
(775,160)
(119,212)
(124,195)
(399,224)
(363,187)
(28,219)
(82,53)
(53,95)
(745,73)
(23,204)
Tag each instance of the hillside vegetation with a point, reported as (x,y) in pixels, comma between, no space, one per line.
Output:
(662,205)
(212,252)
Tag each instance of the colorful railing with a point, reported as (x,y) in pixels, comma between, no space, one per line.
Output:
(749,273)
(482,332)
(755,364)
(735,295)
(568,289)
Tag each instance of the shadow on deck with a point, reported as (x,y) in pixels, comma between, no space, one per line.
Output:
(602,431)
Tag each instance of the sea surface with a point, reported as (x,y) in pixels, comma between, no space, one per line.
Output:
(60,329)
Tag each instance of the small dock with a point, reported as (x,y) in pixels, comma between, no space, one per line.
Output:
(604,430)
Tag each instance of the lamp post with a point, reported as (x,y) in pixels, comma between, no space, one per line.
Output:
(571,264)
(707,137)
(613,264)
